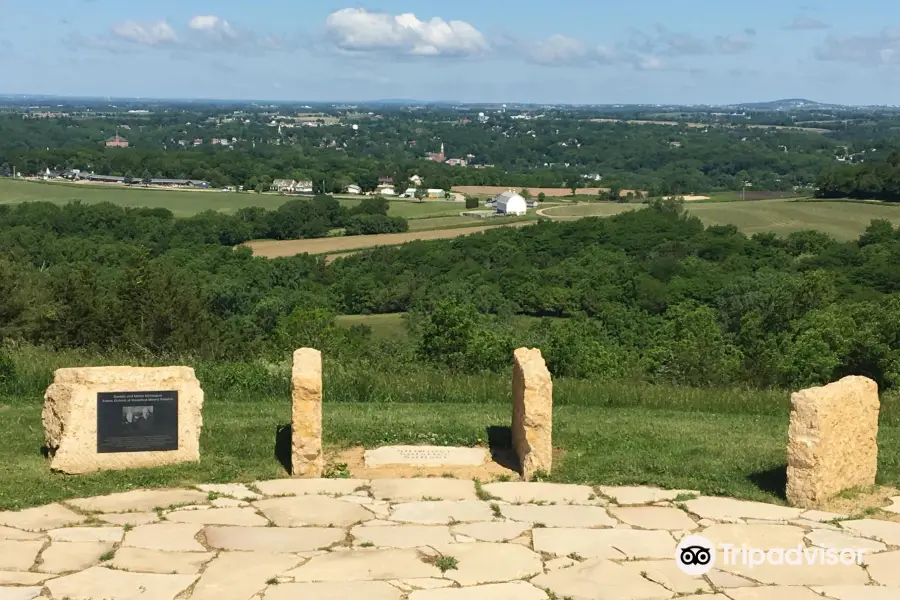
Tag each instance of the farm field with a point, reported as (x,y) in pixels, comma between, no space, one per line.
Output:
(183,203)
(493,190)
(843,220)
(279,248)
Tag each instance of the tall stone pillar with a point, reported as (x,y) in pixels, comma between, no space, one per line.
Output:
(307,459)
(532,420)
(832,440)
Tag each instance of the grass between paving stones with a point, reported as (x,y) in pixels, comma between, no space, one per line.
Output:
(740,455)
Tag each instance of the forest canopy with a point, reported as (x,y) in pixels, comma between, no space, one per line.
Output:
(649,295)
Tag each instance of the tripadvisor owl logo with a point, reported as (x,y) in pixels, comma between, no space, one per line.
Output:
(695,555)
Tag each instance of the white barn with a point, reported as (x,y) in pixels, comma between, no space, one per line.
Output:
(510,203)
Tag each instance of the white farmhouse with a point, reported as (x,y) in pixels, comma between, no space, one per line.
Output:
(510,203)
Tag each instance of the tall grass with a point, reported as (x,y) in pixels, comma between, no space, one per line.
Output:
(371,382)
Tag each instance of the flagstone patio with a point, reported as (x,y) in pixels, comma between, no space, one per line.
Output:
(425,539)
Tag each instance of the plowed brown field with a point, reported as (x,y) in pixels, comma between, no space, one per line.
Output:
(279,248)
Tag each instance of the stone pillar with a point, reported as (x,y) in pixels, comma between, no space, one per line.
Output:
(307,459)
(110,418)
(532,420)
(832,443)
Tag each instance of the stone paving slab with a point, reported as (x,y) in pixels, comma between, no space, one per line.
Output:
(729,508)
(600,580)
(803,574)
(857,592)
(23,578)
(219,516)
(560,515)
(18,556)
(339,539)
(630,495)
(108,584)
(483,562)
(8,533)
(133,519)
(157,561)
(19,593)
(516,590)
(773,593)
(558,493)
(323,511)
(240,575)
(174,537)
(826,538)
(407,490)
(302,487)
(352,590)
(442,512)
(234,490)
(883,531)
(667,574)
(41,518)
(605,543)
(139,501)
(273,539)
(654,517)
(62,557)
(87,534)
(764,537)
(492,532)
(884,568)
(402,536)
(365,565)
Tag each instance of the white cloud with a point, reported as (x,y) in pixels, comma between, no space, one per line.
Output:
(358,30)
(807,23)
(156,33)
(213,26)
(202,33)
(879,49)
(564,50)
(735,43)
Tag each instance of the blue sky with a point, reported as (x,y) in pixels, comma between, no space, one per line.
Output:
(577,51)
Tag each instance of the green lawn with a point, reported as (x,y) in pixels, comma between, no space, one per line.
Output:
(842,219)
(717,453)
(184,203)
(384,327)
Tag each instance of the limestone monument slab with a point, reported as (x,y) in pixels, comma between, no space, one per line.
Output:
(832,440)
(110,418)
(307,459)
(426,456)
(532,420)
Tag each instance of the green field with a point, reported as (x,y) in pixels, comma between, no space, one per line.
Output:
(184,203)
(606,434)
(384,327)
(842,219)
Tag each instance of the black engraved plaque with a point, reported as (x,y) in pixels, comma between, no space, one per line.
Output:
(137,422)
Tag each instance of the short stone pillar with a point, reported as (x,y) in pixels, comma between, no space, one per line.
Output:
(110,418)
(532,420)
(307,459)
(832,440)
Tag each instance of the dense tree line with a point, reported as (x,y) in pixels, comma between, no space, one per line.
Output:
(869,181)
(553,151)
(649,295)
(157,230)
